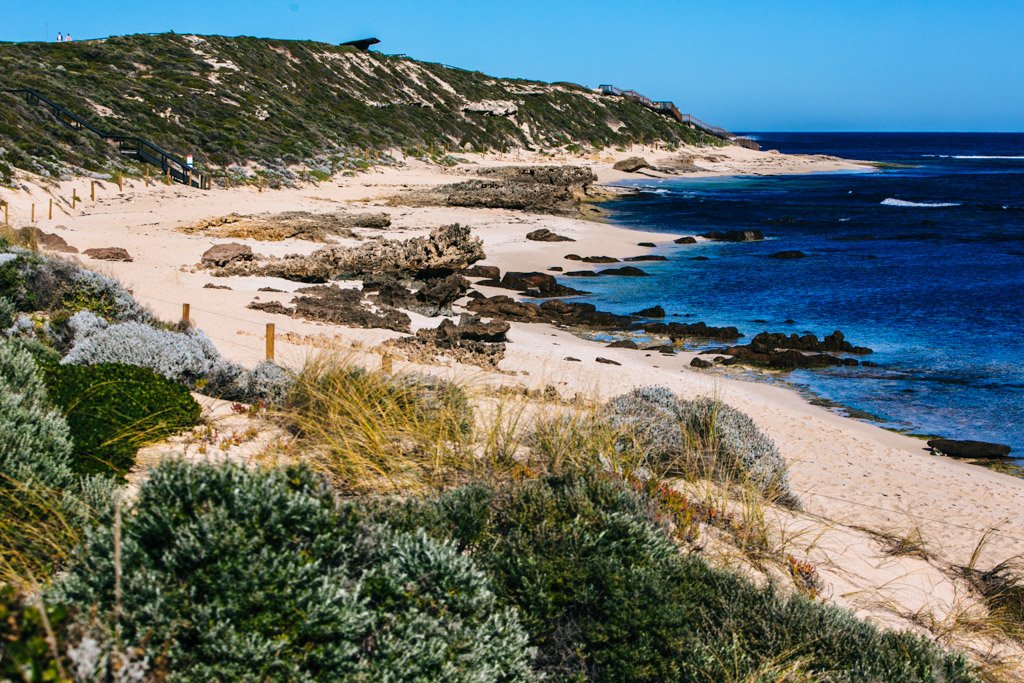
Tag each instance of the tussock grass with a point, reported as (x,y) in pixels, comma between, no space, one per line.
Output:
(369,431)
(26,238)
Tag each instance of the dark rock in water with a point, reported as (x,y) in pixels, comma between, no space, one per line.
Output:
(581,273)
(778,351)
(557,269)
(625,271)
(691,330)
(686,240)
(789,359)
(789,321)
(700,363)
(646,244)
(540,285)
(599,259)
(767,341)
(759,320)
(488,272)
(545,235)
(969,449)
(652,312)
(631,165)
(109,254)
(700,258)
(795,253)
(869,364)
(624,344)
(607,361)
(851,362)
(734,235)
(649,257)
(573,257)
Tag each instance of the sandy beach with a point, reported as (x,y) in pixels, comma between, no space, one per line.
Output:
(860,486)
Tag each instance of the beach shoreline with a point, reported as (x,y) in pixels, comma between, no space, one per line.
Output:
(851,473)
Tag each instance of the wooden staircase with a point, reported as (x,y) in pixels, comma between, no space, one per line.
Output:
(171,165)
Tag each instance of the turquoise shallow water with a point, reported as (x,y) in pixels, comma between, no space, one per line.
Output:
(925,264)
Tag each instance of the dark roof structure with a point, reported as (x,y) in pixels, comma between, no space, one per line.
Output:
(363,44)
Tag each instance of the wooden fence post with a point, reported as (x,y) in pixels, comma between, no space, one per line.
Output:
(120,182)
(6,215)
(260,183)
(227,182)
(167,176)
(33,213)
(147,176)
(270,341)
(185,311)
(92,191)
(74,198)
(51,208)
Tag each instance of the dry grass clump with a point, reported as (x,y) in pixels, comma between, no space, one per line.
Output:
(375,432)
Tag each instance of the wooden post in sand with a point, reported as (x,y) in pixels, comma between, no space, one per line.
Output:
(92,191)
(270,341)
(33,213)
(147,176)
(120,182)
(185,313)
(260,183)
(227,182)
(6,214)
(51,208)
(74,199)
(167,176)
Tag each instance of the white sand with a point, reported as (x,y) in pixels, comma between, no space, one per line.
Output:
(850,475)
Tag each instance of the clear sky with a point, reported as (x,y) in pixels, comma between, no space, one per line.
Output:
(953,65)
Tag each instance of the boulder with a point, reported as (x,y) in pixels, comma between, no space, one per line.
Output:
(581,273)
(536,284)
(652,312)
(599,259)
(685,240)
(647,257)
(545,235)
(631,165)
(700,363)
(981,450)
(624,344)
(108,254)
(649,245)
(51,241)
(734,235)
(488,272)
(625,271)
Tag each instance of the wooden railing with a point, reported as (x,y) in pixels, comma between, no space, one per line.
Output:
(670,109)
(171,165)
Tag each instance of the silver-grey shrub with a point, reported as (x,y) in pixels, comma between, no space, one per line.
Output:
(704,437)
(35,442)
(185,357)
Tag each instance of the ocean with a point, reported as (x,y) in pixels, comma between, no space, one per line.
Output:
(923,262)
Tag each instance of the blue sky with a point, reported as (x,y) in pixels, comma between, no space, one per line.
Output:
(767,65)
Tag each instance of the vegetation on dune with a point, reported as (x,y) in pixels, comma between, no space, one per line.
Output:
(278,102)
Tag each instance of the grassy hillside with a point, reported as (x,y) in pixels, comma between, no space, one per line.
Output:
(279,102)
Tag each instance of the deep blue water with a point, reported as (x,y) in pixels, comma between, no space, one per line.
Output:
(924,264)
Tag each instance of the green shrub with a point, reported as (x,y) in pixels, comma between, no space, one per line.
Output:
(607,596)
(24,652)
(236,574)
(113,410)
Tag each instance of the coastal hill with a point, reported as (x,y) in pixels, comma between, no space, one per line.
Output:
(276,103)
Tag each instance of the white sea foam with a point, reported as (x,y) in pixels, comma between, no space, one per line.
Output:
(890,201)
(985,156)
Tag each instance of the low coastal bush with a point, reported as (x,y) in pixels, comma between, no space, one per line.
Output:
(40,282)
(702,438)
(374,431)
(25,653)
(606,595)
(236,574)
(43,502)
(113,410)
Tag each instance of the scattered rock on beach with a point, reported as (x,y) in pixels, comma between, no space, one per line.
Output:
(210,285)
(648,257)
(631,165)
(607,361)
(599,259)
(488,272)
(623,344)
(471,341)
(649,245)
(220,255)
(540,285)
(701,363)
(109,254)
(969,449)
(545,235)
